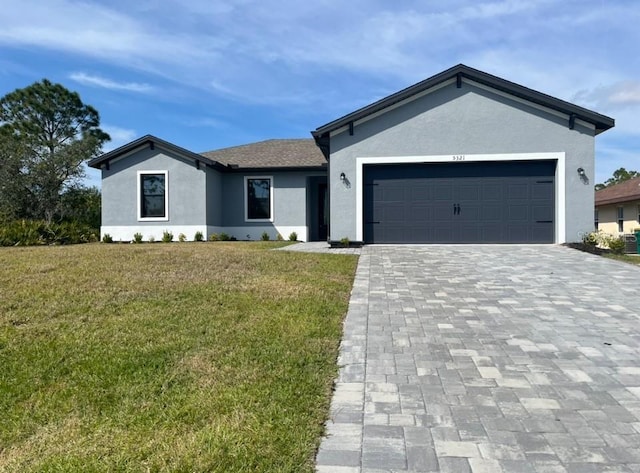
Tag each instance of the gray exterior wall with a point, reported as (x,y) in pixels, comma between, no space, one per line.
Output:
(199,199)
(214,197)
(289,198)
(465,121)
(186,188)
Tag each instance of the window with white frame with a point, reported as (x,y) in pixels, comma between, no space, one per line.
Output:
(153,196)
(620,219)
(258,198)
(595,218)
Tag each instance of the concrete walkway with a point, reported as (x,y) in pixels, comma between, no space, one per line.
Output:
(319,247)
(487,359)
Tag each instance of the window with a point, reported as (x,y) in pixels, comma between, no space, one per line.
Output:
(620,219)
(595,218)
(257,198)
(152,196)
(638,214)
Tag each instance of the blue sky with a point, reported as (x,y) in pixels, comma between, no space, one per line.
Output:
(207,74)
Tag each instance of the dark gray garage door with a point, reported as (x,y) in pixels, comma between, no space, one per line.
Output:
(488,202)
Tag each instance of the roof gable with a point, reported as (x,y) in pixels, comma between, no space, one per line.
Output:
(144,142)
(458,73)
(623,192)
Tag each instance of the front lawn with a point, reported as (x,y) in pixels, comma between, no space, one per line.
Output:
(182,357)
(633,259)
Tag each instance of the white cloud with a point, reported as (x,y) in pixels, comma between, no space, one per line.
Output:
(97,81)
(119,136)
(625,93)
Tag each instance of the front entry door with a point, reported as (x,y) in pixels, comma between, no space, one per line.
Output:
(322,212)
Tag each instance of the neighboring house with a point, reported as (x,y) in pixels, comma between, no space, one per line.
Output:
(618,208)
(461,157)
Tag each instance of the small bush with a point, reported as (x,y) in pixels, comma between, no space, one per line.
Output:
(616,245)
(198,236)
(224,237)
(182,238)
(39,232)
(345,242)
(214,237)
(279,237)
(167,236)
(293,236)
(106,238)
(265,236)
(151,239)
(591,239)
(137,238)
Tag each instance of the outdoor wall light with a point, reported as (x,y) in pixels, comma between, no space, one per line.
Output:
(342,176)
(581,172)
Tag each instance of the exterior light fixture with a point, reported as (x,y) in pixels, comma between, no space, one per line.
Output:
(581,172)
(342,176)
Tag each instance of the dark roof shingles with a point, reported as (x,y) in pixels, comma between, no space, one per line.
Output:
(623,192)
(279,153)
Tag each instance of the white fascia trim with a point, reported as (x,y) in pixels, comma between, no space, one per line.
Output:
(246,200)
(560,230)
(166,197)
(509,96)
(394,106)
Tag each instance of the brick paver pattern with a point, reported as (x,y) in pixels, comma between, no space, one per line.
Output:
(487,359)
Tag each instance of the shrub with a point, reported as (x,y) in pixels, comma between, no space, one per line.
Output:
(214,237)
(167,236)
(137,238)
(224,237)
(293,236)
(345,242)
(198,236)
(39,232)
(591,239)
(106,238)
(22,233)
(265,236)
(182,238)
(151,238)
(279,237)
(616,245)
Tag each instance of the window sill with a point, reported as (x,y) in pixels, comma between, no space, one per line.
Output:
(153,219)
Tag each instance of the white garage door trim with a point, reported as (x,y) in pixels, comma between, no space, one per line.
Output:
(560,178)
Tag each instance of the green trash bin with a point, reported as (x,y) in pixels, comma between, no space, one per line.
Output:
(637,234)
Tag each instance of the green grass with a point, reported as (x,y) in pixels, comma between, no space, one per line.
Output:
(187,357)
(633,259)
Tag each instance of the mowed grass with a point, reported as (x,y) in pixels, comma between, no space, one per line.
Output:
(633,259)
(182,357)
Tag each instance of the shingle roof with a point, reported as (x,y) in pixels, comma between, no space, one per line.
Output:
(623,192)
(271,153)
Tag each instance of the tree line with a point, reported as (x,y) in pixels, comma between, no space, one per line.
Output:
(47,134)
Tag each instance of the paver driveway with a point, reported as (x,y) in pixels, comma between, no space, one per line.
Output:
(488,359)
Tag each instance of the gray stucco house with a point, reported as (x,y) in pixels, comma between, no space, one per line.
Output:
(461,157)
